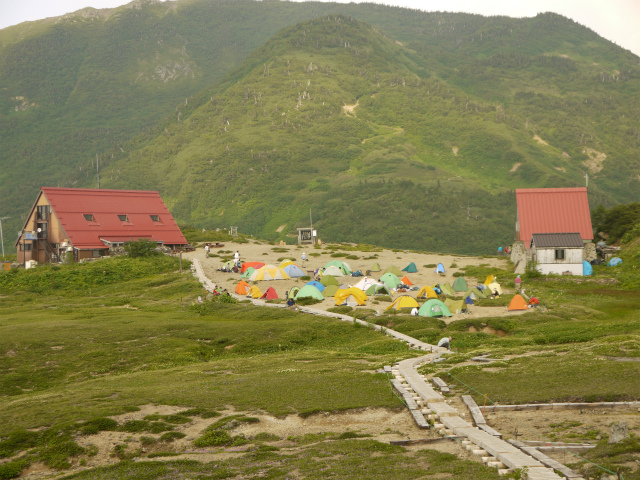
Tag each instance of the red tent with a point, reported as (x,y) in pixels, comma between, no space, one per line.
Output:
(270,294)
(255,265)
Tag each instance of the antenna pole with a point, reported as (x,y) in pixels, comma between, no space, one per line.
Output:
(1,236)
(98,170)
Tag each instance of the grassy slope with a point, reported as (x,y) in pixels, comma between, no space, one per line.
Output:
(497,82)
(105,337)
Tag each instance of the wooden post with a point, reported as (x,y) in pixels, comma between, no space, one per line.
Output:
(180,261)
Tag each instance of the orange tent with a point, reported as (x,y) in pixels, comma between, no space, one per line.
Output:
(242,287)
(405,280)
(270,294)
(517,303)
(255,265)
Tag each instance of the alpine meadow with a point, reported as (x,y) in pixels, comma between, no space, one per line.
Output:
(393,126)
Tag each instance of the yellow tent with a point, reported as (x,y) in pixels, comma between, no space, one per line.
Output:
(269,272)
(288,262)
(427,292)
(254,292)
(350,296)
(404,301)
(489,280)
(494,286)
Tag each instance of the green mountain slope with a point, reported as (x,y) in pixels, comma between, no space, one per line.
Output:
(333,115)
(454,111)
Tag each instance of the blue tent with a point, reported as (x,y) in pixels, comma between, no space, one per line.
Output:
(587,269)
(614,261)
(316,284)
(439,268)
(294,271)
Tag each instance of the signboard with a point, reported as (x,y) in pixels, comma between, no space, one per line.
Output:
(30,236)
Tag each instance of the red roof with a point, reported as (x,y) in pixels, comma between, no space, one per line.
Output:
(553,210)
(116,214)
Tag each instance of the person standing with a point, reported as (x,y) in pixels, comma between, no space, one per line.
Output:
(304,258)
(518,282)
(206,250)
(236,257)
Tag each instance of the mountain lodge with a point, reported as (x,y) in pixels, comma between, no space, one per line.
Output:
(88,222)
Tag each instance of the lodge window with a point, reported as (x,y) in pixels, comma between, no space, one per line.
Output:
(123,218)
(25,247)
(155,218)
(43,212)
(89,217)
(559,254)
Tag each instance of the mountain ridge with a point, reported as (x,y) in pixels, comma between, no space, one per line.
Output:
(489,84)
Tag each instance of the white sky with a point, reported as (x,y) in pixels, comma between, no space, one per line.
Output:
(615,20)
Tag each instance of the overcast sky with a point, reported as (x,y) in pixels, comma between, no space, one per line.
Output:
(615,20)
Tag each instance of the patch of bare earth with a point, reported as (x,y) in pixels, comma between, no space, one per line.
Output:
(595,161)
(515,167)
(540,141)
(379,424)
(350,109)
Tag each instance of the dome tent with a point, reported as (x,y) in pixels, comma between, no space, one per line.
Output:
(434,308)
(404,302)
(411,268)
(395,270)
(309,291)
(390,280)
(293,270)
(327,280)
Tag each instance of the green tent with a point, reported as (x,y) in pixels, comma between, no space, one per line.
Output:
(446,289)
(411,268)
(309,291)
(376,267)
(460,285)
(378,290)
(327,280)
(434,308)
(455,306)
(293,292)
(330,291)
(390,280)
(247,273)
(395,270)
(346,269)
(478,292)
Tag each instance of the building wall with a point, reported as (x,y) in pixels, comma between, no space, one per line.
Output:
(546,261)
(559,268)
(548,255)
(53,228)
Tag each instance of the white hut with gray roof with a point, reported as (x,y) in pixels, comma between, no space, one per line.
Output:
(559,253)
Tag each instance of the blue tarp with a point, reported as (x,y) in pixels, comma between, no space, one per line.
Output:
(587,269)
(614,261)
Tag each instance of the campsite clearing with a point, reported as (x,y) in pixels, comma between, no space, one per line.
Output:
(425,264)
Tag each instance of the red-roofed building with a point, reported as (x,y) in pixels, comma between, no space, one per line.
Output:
(89,222)
(552,210)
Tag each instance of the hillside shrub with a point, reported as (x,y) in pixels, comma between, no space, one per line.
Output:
(141,248)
